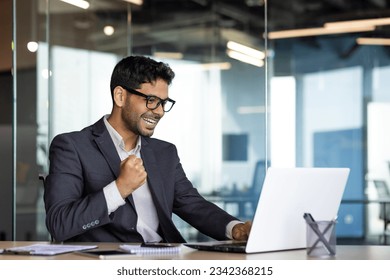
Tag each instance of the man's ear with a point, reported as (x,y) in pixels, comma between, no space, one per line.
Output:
(119,98)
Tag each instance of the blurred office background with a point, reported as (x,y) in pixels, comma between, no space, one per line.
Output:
(309,87)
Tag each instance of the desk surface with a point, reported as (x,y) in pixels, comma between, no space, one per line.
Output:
(343,252)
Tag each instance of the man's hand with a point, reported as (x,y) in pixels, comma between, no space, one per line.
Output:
(132,175)
(241,231)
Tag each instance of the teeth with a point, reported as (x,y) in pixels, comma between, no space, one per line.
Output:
(150,121)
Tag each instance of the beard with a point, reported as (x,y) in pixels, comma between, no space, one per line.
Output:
(143,124)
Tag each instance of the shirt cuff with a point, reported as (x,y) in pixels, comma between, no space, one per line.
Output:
(113,198)
(229,228)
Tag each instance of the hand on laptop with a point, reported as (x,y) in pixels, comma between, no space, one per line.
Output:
(241,231)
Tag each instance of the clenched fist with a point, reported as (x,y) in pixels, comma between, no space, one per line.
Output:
(132,175)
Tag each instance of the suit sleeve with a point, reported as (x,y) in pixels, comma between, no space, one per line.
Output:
(69,210)
(197,211)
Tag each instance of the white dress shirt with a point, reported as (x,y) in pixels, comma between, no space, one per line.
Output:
(147,220)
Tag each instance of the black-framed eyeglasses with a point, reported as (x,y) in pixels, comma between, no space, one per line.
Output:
(152,101)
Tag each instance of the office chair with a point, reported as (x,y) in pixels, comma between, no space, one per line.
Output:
(258,177)
(42,177)
(384,212)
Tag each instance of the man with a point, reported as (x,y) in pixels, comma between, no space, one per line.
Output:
(111,182)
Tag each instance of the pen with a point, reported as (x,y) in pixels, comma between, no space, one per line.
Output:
(311,222)
(157,245)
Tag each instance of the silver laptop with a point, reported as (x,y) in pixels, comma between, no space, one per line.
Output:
(287,194)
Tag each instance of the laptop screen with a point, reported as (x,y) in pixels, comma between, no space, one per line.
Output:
(287,194)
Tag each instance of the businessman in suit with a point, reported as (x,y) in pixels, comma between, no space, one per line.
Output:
(111,182)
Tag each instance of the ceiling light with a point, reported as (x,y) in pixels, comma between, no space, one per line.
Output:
(205,66)
(337,27)
(136,2)
(32,46)
(245,58)
(245,50)
(358,23)
(316,31)
(216,65)
(78,3)
(170,55)
(373,41)
(108,30)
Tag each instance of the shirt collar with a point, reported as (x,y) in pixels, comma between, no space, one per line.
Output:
(117,138)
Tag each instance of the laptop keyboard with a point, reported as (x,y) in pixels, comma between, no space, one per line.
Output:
(234,244)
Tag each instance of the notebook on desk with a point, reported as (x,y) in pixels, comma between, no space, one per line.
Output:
(286,195)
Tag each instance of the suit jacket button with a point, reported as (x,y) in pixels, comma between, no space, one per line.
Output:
(84,227)
(97,222)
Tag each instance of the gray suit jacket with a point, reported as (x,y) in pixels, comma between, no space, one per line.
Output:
(82,163)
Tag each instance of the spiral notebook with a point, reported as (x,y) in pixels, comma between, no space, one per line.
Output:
(151,249)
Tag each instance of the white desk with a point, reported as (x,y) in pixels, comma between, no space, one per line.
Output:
(343,252)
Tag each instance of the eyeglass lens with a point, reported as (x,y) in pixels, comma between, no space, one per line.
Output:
(152,102)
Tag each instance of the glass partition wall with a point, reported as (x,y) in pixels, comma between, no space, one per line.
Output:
(217,124)
(335,57)
(311,99)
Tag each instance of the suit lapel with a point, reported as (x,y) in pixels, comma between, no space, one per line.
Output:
(155,181)
(107,148)
(156,186)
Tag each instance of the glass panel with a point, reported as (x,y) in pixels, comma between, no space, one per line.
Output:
(327,94)
(29,161)
(6,111)
(340,100)
(333,84)
(218,122)
(61,72)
